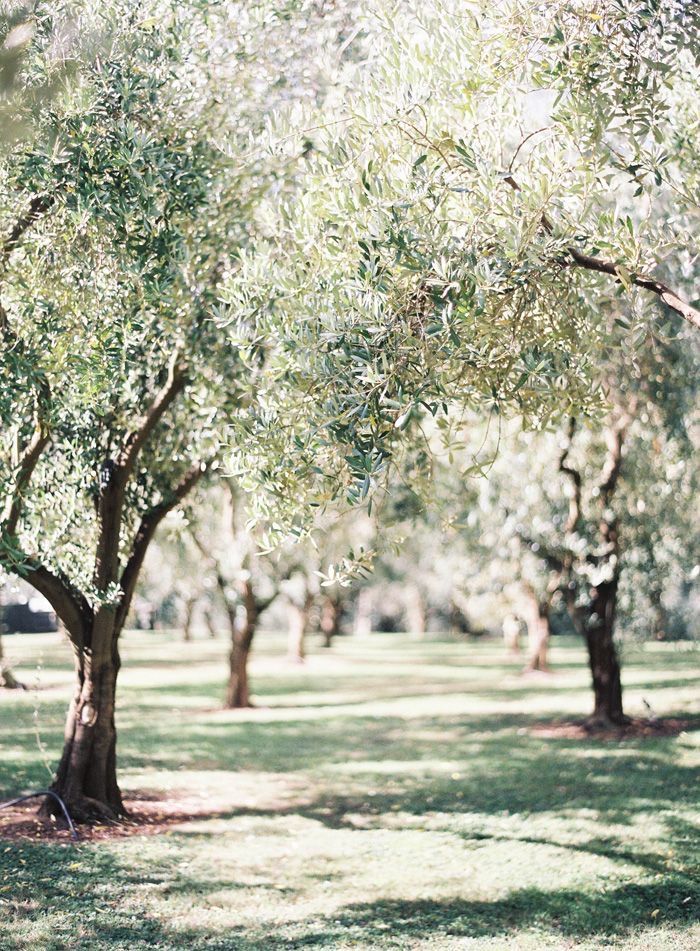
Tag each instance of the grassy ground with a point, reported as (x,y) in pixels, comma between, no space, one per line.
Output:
(389,794)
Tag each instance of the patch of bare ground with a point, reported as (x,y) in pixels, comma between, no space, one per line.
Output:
(636,728)
(148,814)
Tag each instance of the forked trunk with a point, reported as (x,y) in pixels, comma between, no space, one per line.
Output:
(86,778)
(602,656)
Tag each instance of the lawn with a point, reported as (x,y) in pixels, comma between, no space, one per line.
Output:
(391,793)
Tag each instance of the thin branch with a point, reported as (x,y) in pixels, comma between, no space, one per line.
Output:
(645,281)
(555,561)
(147,529)
(575,477)
(522,143)
(25,469)
(615,439)
(174,384)
(38,206)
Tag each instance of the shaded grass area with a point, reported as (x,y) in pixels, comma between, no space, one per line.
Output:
(391,794)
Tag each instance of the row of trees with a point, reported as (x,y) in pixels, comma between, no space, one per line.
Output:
(292,246)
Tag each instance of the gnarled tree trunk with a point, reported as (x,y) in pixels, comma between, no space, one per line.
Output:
(602,656)
(190,604)
(86,778)
(242,634)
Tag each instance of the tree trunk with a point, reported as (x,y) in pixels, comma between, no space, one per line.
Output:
(363,613)
(187,626)
(86,778)
(7,678)
(330,620)
(298,623)
(415,612)
(538,632)
(209,617)
(602,656)
(238,689)
(660,624)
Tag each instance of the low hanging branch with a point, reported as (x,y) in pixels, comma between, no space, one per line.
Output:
(645,281)
(69,604)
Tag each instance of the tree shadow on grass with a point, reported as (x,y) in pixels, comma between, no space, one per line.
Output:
(569,913)
(93,901)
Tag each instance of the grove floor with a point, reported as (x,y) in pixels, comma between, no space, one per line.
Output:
(390,793)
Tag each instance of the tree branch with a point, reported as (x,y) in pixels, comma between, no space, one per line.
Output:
(615,439)
(38,206)
(554,561)
(145,533)
(25,468)
(645,281)
(575,477)
(174,384)
(70,606)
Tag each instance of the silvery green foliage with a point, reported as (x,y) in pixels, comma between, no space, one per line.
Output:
(424,263)
(129,194)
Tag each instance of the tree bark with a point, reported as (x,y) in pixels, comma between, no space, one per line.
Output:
(330,619)
(86,778)
(298,622)
(187,625)
(602,656)
(242,634)
(538,632)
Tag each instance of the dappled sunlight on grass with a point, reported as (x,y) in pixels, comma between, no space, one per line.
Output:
(390,793)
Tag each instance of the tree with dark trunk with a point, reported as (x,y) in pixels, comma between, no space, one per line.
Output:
(596,601)
(586,570)
(86,777)
(117,377)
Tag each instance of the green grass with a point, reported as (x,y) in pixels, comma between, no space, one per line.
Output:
(390,794)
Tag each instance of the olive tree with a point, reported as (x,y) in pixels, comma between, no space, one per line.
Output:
(122,208)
